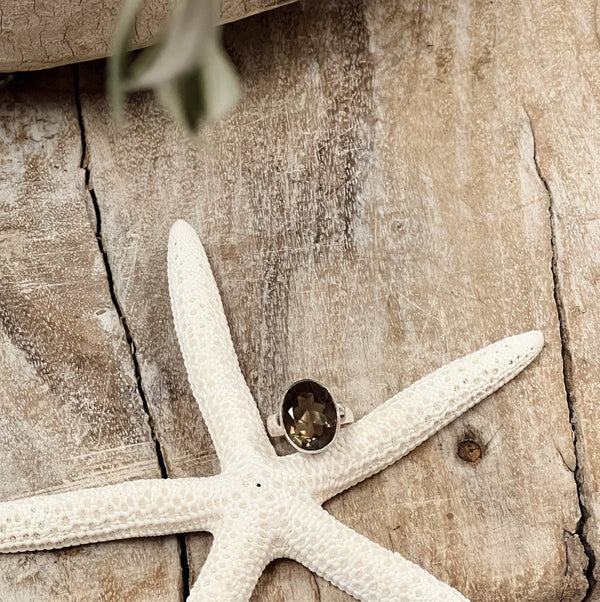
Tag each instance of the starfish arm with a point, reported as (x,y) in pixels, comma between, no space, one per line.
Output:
(237,558)
(359,566)
(141,508)
(227,406)
(409,418)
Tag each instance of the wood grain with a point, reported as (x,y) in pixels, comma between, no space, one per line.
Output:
(71,415)
(567,133)
(372,209)
(47,33)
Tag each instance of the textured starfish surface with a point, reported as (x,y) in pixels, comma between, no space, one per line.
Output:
(263,506)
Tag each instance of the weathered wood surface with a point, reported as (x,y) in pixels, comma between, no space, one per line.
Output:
(401,183)
(45,33)
(567,133)
(71,415)
(372,209)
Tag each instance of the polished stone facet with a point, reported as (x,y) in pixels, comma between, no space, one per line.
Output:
(309,416)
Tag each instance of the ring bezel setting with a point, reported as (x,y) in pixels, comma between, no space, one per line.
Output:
(308,417)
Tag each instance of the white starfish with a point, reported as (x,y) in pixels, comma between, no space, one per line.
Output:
(263,506)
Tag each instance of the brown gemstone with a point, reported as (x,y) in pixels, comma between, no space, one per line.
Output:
(309,416)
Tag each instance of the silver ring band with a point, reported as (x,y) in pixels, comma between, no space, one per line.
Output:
(275,428)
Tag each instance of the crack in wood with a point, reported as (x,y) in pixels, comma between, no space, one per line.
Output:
(317,588)
(185,570)
(567,362)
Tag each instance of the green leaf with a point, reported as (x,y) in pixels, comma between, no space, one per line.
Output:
(221,87)
(184,99)
(188,69)
(183,47)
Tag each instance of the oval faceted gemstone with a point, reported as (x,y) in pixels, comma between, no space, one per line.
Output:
(309,416)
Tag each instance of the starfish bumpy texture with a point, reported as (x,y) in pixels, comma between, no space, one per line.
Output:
(255,507)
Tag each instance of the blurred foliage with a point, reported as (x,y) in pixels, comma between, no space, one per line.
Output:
(188,69)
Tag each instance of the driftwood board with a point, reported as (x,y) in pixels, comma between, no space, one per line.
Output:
(47,33)
(400,184)
(567,129)
(71,415)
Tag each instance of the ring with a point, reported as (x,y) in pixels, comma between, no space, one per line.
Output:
(309,418)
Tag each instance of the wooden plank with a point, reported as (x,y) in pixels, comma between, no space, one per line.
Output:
(47,33)
(71,415)
(372,209)
(567,130)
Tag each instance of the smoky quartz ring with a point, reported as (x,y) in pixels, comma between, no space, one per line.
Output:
(308,418)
